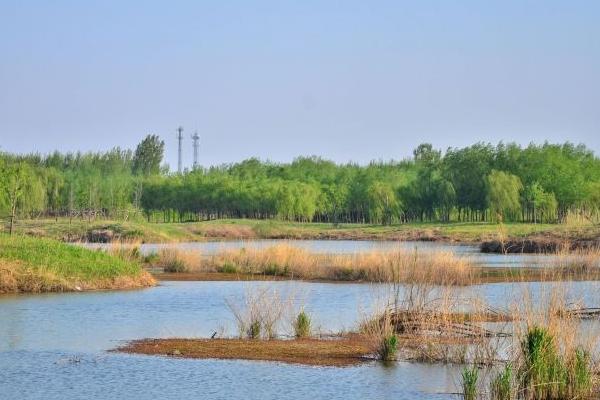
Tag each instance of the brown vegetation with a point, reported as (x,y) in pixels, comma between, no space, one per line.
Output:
(326,352)
(284,260)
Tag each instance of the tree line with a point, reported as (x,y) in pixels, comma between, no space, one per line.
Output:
(482,182)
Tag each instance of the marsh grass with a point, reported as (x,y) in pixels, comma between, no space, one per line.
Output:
(285,260)
(176,260)
(470,377)
(502,386)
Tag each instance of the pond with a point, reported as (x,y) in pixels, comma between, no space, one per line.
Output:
(54,346)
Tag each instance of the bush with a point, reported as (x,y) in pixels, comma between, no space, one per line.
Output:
(302,325)
(469,383)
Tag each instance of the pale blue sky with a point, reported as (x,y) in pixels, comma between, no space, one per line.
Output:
(347,80)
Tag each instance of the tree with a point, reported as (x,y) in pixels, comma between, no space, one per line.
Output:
(148,156)
(22,190)
(504,191)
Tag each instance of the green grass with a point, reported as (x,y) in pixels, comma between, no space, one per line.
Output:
(469,383)
(388,347)
(36,264)
(546,374)
(302,325)
(502,385)
(264,229)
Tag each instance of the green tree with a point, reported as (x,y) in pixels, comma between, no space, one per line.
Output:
(148,156)
(504,191)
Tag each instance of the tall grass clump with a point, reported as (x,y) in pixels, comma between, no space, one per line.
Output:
(441,268)
(547,374)
(381,333)
(302,325)
(470,376)
(388,347)
(502,386)
(258,314)
(175,260)
(554,359)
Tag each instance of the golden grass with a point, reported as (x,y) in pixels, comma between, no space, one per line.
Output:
(442,268)
(285,261)
(176,260)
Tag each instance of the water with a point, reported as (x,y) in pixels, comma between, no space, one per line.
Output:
(54,346)
(353,247)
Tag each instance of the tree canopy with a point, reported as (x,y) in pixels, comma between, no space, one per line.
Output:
(482,182)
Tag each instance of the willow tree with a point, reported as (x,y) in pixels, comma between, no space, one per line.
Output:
(22,190)
(504,195)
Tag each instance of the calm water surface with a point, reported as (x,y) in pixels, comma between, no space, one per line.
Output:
(55,346)
(354,246)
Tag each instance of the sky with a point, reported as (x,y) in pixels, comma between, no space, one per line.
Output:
(346,80)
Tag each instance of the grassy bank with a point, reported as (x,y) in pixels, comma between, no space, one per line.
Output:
(44,265)
(80,230)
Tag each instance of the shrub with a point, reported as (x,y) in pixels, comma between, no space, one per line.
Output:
(302,325)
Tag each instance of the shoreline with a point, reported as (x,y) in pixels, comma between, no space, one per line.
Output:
(483,275)
(516,237)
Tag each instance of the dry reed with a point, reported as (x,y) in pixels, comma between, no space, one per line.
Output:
(440,268)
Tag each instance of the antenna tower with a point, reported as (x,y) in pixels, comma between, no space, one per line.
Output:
(179,139)
(196,140)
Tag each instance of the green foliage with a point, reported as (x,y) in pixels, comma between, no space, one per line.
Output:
(548,374)
(254,330)
(228,268)
(302,325)
(148,156)
(502,385)
(580,373)
(388,347)
(470,377)
(538,183)
(504,195)
(174,265)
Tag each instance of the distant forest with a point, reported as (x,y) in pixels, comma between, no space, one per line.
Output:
(482,182)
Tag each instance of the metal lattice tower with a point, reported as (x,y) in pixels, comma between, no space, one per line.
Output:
(196,139)
(179,139)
